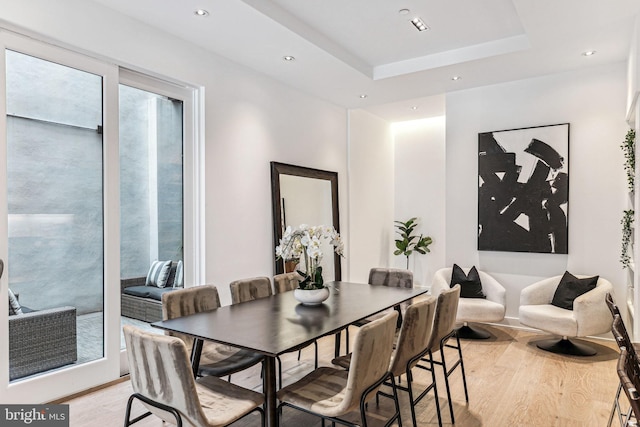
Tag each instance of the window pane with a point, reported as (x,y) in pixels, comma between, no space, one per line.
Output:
(54,158)
(151,186)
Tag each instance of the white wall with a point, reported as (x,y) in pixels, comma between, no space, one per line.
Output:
(371,186)
(249,121)
(593,102)
(420,190)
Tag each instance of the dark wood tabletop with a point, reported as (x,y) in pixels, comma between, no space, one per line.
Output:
(276,324)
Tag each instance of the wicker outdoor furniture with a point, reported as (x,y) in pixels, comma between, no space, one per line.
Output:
(41,340)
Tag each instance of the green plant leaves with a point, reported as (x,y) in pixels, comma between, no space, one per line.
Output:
(409,242)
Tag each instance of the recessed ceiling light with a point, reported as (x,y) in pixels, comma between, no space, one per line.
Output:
(589,53)
(414,108)
(363,96)
(404,11)
(289,58)
(419,24)
(201,12)
(455,78)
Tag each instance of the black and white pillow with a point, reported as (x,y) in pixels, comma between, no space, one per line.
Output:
(179,278)
(14,304)
(159,274)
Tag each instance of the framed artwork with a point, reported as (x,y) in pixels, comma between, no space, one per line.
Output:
(523,190)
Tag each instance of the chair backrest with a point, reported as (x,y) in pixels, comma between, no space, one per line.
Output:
(285,282)
(392,277)
(629,374)
(417,325)
(445,317)
(249,289)
(160,370)
(370,359)
(619,331)
(183,302)
(613,308)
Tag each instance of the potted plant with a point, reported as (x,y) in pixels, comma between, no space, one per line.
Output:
(409,242)
(304,243)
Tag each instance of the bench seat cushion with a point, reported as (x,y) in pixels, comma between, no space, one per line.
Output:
(146,292)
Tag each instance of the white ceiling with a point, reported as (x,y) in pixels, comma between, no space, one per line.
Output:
(345,48)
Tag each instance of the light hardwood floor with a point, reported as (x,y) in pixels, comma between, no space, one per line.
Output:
(510,383)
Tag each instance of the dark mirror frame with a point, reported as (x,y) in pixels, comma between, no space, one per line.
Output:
(278,169)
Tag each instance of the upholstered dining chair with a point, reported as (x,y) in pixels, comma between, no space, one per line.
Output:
(410,347)
(444,323)
(285,282)
(589,315)
(244,290)
(331,393)
(216,359)
(629,374)
(624,342)
(474,310)
(392,277)
(162,379)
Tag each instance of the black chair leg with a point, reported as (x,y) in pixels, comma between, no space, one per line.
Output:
(128,421)
(464,375)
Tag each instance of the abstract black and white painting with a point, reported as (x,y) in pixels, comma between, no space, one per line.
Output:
(523,190)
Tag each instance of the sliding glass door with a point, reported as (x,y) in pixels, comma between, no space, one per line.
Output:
(92,190)
(151,196)
(55,215)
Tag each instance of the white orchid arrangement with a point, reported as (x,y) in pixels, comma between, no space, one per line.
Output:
(305,243)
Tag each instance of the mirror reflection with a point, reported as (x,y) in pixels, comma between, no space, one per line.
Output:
(305,196)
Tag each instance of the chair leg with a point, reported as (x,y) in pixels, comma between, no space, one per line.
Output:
(448,372)
(128,421)
(566,346)
(464,375)
(315,343)
(472,333)
(614,406)
(446,383)
(396,403)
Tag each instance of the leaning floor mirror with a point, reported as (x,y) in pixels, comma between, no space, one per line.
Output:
(302,195)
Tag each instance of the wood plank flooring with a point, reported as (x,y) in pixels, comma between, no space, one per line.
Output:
(510,382)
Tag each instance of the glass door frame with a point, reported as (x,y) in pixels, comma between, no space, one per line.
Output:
(51,386)
(192,176)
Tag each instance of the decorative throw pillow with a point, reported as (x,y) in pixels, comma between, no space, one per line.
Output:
(570,288)
(470,285)
(14,304)
(159,274)
(177,281)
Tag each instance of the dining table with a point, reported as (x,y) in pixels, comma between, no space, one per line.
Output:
(278,324)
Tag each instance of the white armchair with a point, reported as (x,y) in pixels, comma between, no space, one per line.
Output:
(590,315)
(487,310)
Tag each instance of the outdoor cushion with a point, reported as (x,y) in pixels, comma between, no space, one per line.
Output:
(179,276)
(158,274)
(14,304)
(147,292)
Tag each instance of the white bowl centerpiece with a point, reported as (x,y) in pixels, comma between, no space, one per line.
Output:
(304,243)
